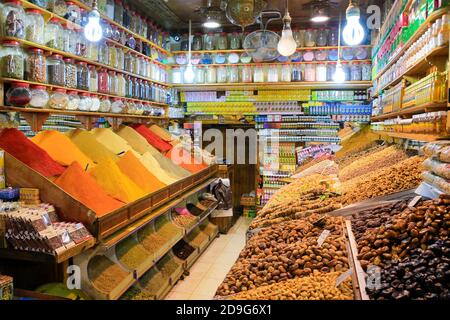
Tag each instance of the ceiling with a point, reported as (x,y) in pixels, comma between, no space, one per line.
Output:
(174,15)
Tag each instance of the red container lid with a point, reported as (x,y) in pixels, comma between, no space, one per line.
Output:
(38,87)
(69,3)
(37,50)
(68,60)
(82,63)
(60,90)
(57,56)
(20,85)
(13,1)
(10,43)
(223,33)
(72,92)
(210,33)
(84,94)
(34,11)
(117,99)
(54,20)
(91,66)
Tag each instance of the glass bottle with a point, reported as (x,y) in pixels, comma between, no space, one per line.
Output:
(297,73)
(211,74)
(103,81)
(235,41)
(209,42)
(222,41)
(56,71)
(93,79)
(197,42)
(233,74)
(18,95)
(34,26)
(13,19)
(246,74)
(221,74)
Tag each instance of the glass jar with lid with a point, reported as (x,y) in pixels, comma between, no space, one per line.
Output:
(74,100)
(73,13)
(258,73)
(126,16)
(82,76)
(117,105)
(13,19)
(321,37)
(103,52)
(118,11)
(103,81)
(235,41)
(110,9)
(310,72)
(85,102)
(221,74)
(34,26)
(333,55)
(95,105)
(18,95)
(92,51)
(135,88)
(211,74)
(69,39)
(41,3)
(128,63)
(200,75)
(112,55)
(121,85)
(321,72)
(36,66)
(286,73)
(209,43)
(309,55)
(197,42)
(233,74)
(105,104)
(81,46)
(297,73)
(177,77)
(70,73)
(347,54)
(12,60)
(347,71)
(59,7)
(310,38)
(321,55)
(184,43)
(273,73)
(222,41)
(331,70)
(52,35)
(58,99)
(39,97)
(113,83)
(355,72)
(333,38)
(93,79)
(299,37)
(366,71)
(136,64)
(56,70)
(246,74)
(120,58)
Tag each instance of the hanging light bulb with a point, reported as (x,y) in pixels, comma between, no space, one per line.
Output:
(319,15)
(189,73)
(339,74)
(353,32)
(287,45)
(211,23)
(93,30)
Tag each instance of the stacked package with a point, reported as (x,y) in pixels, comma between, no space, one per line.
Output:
(438,165)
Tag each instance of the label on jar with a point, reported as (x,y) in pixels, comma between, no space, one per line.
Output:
(343,277)
(323,237)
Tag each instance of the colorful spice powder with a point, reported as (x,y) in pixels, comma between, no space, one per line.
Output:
(61,149)
(80,185)
(150,240)
(136,140)
(152,138)
(105,274)
(16,144)
(87,143)
(134,169)
(115,183)
(152,165)
(111,141)
(160,132)
(184,159)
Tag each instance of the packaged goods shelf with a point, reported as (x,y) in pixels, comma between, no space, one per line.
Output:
(407,112)
(411,136)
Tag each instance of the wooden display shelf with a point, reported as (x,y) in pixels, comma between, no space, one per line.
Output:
(411,136)
(69,209)
(273,86)
(408,112)
(12,254)
(48,14)
(266,63)
(432,18)
(420,67)
(29,44)
(114,23)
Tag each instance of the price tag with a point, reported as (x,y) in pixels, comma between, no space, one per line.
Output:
(414,201)
(323,237)
(344,276)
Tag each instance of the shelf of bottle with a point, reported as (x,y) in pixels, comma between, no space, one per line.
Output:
(51,86)
(408,112)
(432,18)
(49,15)
(420,67)
(29,44)
(266,63)
(243,50)
(114,23)
(273,86)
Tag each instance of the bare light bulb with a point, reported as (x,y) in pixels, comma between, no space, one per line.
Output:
(353,32)
(339,74)
(93,30)
(287,44)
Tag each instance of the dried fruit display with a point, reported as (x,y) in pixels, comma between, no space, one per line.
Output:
(351,157)
(372,162)
(360,141)
(318,286)
(325,167)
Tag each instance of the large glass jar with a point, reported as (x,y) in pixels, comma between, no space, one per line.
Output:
(121,85)
(95,105)
(112,56)
(18,95)
(56,70)
(299,37)
(52,34)
(117,105)
(233,74)
(13,19)
(310,72)
(133,21)
(297,73)
(103,52)
(258,73)
(333,38)
(246,74)
(177,75)
(58,99)
(85,102)
(120,58)
(321,38)
(59,7)
(93,79)
(200,75)
(105,104)
(126,16)
(235,41)
(36,66)
(35,25)
(74,100)
(69,39)
(118,12)
(39,97)
(81,46)
(209,44)
(273,74)
(321,72)
(184,44)
(348,54)
(41,3)
(347,71)
(331,70)
(73,13)
(309,56)
(113,83)
(12,60)
(356,72)
(110,9)
(310,38)
(197,42)
(333,55)
(92,50)
(222,41)
(221,74)
(286,73)
(211,74)
(82,76)
(366,71)
(136,65)
(71,73)
(103,81)
(321,55)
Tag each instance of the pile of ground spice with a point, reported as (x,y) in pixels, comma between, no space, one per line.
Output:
(61,149)
(80,185)
(152,165)
(150,240)
(16,144)
(183,158)
(153,282)
(105,274)
(109,176)
(168,266)
(89,145)
(136,171)
(152,138)
(111,141)
(131,253)
(160,132)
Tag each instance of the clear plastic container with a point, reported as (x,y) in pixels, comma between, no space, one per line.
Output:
(235,41)
(18,95)
(58,99)
(273,74)
(117,105)
(105,105)
(74,100)
(310,72)
(12,61)
(85,102)
(233,74)
(52,34)
(258,74)
(39,97)
(13,19)
(321,72)
(221,74)
(321,38)
(36,66)
(56,70)
(93,79)
(34,26)
(200,75)
(82,76)
(209,44)
(310,38)
(222,41)
(211,74)
(286,73)
(246,74)
(95,105)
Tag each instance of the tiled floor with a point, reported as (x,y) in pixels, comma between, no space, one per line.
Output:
(211,268)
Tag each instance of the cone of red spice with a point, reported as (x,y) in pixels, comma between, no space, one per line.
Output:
(152,138)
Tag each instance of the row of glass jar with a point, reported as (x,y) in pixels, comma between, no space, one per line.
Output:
(273,73)
(233,41)
(36,96)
